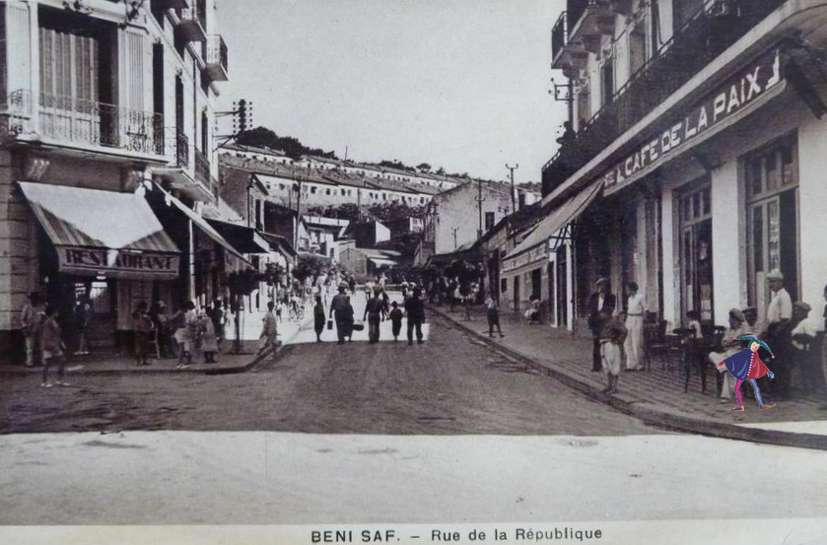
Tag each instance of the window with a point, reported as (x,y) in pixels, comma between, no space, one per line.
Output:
(327,191)
(607,81)
(584,107)
(637,49)
(313,189)
(489,220)
(770,180)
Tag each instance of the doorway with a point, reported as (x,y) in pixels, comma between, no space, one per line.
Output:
(695,210)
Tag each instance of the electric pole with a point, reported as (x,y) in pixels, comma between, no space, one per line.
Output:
(513,190)
(479,200)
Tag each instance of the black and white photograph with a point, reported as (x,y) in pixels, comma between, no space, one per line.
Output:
(413,271)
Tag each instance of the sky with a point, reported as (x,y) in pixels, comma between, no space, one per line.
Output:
(461,84)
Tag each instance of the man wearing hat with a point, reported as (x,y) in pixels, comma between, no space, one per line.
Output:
(802,343)
(779,315)
(338,308)
(601,306)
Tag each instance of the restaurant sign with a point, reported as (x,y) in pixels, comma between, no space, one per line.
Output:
(712,113)
(117,263)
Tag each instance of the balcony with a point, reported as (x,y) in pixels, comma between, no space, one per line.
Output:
(588,21)
(703,37)
(202,169)
(216,57)
(192,22)
(182,150)
(71,122)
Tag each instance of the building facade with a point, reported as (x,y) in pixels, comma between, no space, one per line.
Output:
(694,168)
(106,127)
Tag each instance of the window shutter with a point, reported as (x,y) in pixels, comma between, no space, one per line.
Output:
(135,70)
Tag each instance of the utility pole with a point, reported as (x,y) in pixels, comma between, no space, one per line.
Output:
(513,190)
(479,200)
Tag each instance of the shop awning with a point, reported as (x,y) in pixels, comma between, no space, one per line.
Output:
(98,232)
(382,262)
(557,219)
(244,239)
(203,225)
(278,241)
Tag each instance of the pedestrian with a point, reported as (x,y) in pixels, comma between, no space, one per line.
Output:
(823,359)
(185,334)
(694,324)
(374,314)
(338,309)
(164,329)
(493,314)
(83,312)
(601,306)
(219,323)
(207,338)
(268,340)
(319,318)
(729,345)
(396,320)
(468,299)
(802,343)
(779,315)
(612,338)
(415,311)
(633,348)
(52,347)
(144,331)
(31,318)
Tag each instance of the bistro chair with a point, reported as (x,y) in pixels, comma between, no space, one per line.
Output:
(655,345)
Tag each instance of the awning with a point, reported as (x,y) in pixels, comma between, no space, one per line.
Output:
(557,220)
(278,241)
(381,262)
(98,232)
(202,224)
(244,239)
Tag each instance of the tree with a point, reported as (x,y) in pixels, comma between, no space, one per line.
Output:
(264,137)
(424,167)
(310,265)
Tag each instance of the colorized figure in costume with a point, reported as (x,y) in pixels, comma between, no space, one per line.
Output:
(748,365)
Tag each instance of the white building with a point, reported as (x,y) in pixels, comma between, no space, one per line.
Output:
(101,109)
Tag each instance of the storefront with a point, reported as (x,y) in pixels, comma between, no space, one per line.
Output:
(540,265)
(718,198)
(115,258)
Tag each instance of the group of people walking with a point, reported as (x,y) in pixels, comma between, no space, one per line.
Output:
(378,308)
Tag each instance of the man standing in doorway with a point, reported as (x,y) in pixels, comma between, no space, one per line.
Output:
(779,314)
(601,306)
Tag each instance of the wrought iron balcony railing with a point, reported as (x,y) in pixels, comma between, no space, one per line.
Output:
(559,37)
(182,150)
(704,36)
(192,21)
(216,57)
(79,122)
(202,169)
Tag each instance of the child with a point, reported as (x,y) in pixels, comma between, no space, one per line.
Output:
(144,328)
(207,338)
(611,340)
(493,314)
(52,347)
(269,331)
(396,320)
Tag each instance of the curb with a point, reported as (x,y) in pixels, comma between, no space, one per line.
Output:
(227,370)
(649,414)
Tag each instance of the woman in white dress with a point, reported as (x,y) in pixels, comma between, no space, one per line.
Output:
(633,347)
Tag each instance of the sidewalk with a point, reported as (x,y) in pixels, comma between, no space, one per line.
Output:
(227,362)
(655,396)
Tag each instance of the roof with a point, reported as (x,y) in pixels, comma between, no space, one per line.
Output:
(254,149)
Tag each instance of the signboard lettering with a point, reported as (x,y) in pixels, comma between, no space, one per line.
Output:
(118,263)
(728,100)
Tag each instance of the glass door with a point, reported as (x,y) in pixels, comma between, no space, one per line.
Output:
(694,208)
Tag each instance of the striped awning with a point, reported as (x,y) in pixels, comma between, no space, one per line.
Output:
(107,233)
